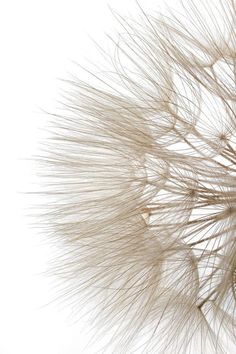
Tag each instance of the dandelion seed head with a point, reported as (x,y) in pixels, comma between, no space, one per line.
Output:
(140,173)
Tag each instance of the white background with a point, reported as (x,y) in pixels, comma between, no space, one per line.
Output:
(39,39)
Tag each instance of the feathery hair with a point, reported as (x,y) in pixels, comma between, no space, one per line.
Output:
(140,179)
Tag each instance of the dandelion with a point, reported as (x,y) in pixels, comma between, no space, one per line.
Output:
(140,175)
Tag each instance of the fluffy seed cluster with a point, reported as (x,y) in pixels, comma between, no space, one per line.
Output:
(140,176)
